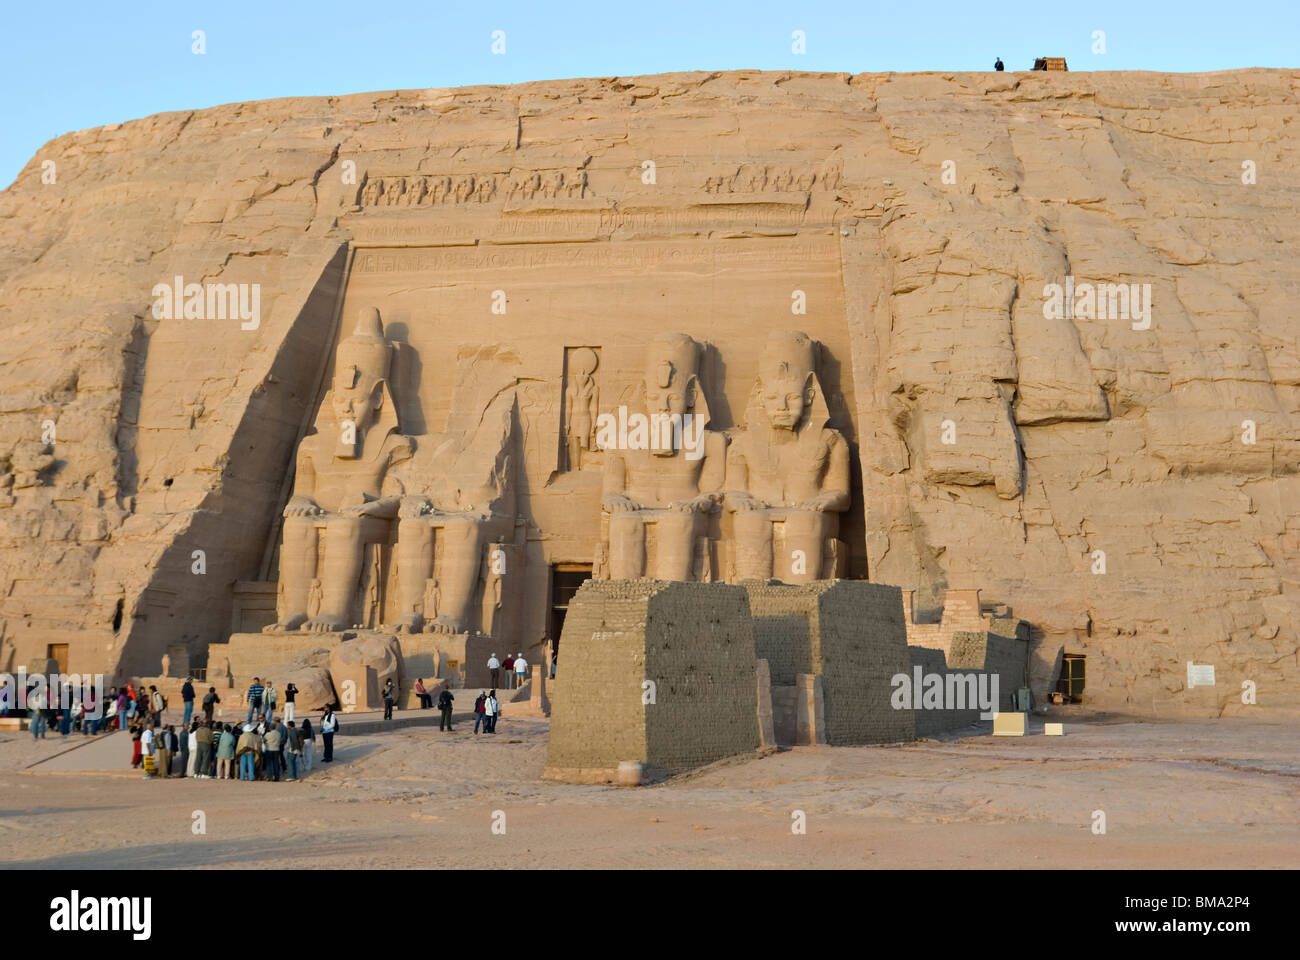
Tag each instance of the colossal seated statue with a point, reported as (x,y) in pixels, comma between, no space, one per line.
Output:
(345,494)
(787,467)
(459,496)
(663,467)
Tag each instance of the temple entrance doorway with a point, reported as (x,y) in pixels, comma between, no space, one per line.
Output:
(59,653)
(566,578)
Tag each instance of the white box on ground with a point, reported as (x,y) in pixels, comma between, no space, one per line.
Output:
(1054,729)
(1009,724)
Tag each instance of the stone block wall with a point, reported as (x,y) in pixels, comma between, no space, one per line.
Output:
(850,632)
(597,719)
(971,653)
(692,640)
(700,655)
(961,611)
(863,641)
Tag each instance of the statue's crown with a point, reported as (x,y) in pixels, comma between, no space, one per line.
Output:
(366,349)
(788,354)
(676,349)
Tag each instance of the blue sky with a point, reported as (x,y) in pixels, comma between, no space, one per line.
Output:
(84,64)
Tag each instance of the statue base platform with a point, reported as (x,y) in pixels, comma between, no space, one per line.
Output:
(460,659)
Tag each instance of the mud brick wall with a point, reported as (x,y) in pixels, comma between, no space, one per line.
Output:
(781,615)
(597,719)
(991,653)
(693,640)
(851,632)
(862,636)
(699,651)
(930,723)
(961,611)
(973,652)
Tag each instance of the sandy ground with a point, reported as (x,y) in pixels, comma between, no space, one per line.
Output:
(1212,793)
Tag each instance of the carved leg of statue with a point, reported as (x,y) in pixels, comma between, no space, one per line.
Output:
(297,569)
(414,568)
(339,575)
(806,532)
(753,546)
(461,555)
(676,545)
(626,546)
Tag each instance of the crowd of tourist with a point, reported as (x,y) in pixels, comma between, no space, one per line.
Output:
(267,745)
(264,748)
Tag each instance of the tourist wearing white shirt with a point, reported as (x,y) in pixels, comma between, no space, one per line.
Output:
(146,750)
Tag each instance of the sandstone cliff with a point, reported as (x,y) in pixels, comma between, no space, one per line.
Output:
(950,202)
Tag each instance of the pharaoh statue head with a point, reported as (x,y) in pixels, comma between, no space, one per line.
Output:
(787,386)
(671,374)
(359,396)
(672,382)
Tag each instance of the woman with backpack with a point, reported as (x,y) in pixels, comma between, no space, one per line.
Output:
(479,715)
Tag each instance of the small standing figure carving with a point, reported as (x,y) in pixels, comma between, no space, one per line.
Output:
(314,598)
(432,595)
(581,402)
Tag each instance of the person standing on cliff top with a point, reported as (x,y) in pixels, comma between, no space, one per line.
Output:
(997,65)
(494,668)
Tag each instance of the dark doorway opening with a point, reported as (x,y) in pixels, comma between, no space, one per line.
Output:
(1070,685)
(59,653)
(566,578)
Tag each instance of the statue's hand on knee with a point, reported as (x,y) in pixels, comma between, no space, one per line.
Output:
(742,502)
(618,503)
(372,508)
(821,503)
(300,506)
(704,502)
(413,507)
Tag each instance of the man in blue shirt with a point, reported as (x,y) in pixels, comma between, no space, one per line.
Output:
(254,698)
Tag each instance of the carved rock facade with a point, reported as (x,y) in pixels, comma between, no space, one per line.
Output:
(908,225)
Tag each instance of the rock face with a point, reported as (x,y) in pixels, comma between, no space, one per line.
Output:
(1118,465)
